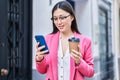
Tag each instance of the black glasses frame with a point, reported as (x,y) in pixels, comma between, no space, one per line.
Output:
(61,18)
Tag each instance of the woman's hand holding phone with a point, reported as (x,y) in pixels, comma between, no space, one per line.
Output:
(40,53)
(41,47)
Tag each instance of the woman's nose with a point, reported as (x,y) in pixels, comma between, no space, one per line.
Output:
(59,21)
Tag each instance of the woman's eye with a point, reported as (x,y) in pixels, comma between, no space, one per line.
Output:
(55,19)
(62,18)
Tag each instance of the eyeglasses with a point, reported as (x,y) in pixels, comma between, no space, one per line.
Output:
(61,18)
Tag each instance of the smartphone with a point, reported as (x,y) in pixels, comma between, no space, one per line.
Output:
(41,40)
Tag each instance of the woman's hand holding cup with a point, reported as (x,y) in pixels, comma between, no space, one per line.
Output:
(74,49)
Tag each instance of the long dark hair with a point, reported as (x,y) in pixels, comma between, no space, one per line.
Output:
(66,6)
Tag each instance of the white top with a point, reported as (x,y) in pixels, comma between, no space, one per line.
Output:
(63,64)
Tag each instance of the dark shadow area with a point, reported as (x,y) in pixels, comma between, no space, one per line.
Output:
(15,39)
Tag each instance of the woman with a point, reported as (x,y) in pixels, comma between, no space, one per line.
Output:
(60,64)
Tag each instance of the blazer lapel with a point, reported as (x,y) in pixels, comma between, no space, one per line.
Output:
(54,52)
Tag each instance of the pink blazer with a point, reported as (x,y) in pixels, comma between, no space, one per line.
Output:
(50,61)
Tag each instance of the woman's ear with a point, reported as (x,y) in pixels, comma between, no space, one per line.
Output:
(72,18)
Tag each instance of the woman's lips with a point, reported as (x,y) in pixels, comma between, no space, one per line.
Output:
(61,27)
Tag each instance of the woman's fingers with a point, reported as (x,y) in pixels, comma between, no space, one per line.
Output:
(37,45)
(76,56)
(40,48)
(76,53)
(39,53)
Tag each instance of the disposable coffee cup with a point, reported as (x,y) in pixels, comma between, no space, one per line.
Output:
(73,44)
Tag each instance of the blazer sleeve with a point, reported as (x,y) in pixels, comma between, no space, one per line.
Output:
(42,66)
(86,66)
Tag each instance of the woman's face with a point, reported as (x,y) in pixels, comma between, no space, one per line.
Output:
(62,20)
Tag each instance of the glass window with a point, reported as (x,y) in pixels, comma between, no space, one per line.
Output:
(105,44)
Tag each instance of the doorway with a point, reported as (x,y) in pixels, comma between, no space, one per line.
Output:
(15,39)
